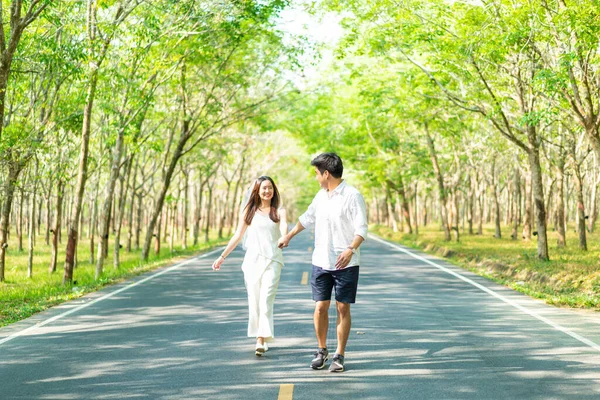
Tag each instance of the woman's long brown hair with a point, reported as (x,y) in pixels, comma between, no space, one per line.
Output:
(254,202)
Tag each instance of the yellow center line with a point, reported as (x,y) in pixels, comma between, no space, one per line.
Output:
(304,280)
(285,392)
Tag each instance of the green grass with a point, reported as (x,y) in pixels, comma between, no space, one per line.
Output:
(21,297)
(571,278)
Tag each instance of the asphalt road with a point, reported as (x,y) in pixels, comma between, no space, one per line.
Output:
(422,329)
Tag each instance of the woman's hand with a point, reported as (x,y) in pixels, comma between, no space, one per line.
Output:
(217,264)
(283,242)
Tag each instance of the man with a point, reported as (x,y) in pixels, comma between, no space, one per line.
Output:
(339,216)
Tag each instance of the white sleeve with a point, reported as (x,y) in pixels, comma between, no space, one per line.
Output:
(307,220)
(359,216)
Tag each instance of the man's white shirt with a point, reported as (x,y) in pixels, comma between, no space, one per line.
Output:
(337,217)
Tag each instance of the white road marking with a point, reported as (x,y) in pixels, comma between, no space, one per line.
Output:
(109,295)
(496,295)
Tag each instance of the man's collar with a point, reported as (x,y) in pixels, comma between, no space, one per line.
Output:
(339,188)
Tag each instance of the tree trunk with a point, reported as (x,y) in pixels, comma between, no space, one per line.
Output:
(440,182)
(124,184)
(567,200)
(186,189)
(81,179)
(113,220)
(60,192)
(480,206)
(594,200)
(464,214)
(416,208)
(549,199)
(425,213)
(470,205)
(528,205)
(580,206)
(32,222)
(455,213)
(404,205)
(516,201)
(400,214)
(94,221)
(498,234)
(14,169)
(157,240)
(376,207)
(208,211)
(538,193)
(48,213)
(223,218)
(509,208)
(172,227)
(38,222)
(105,238)
(108,203)
(232,219)
(31,237)
(166,221)
(130,233)
(20,223)
(138,224)
(391,204)
(198,213)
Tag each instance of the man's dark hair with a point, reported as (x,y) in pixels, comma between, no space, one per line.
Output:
(329,162)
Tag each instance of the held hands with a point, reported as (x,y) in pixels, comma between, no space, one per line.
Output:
(343,259)
(217,264)
(283,242)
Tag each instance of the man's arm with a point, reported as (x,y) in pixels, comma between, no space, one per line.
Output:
(345,256)
(306,220)
(357,241)
(359,218)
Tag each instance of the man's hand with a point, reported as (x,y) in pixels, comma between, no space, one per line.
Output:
(343,259)
(283,242)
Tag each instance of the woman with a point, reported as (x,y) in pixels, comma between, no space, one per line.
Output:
(263,223)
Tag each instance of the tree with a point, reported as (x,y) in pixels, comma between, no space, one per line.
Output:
(99,37)
(12,155)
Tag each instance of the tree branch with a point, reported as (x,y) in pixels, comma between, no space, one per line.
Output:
(32,14)
(454,99)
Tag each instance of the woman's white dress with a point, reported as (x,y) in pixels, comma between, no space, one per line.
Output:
(262,268)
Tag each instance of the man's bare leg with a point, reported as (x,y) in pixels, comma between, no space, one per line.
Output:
(343,325)
(321,320)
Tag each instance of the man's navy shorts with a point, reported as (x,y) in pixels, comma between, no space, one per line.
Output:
(344,280)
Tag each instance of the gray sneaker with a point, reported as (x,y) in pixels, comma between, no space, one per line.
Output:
(337,364)
(321,356)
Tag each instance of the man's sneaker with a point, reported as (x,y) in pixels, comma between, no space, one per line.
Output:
(261,349)
(337,364)
(321,356)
